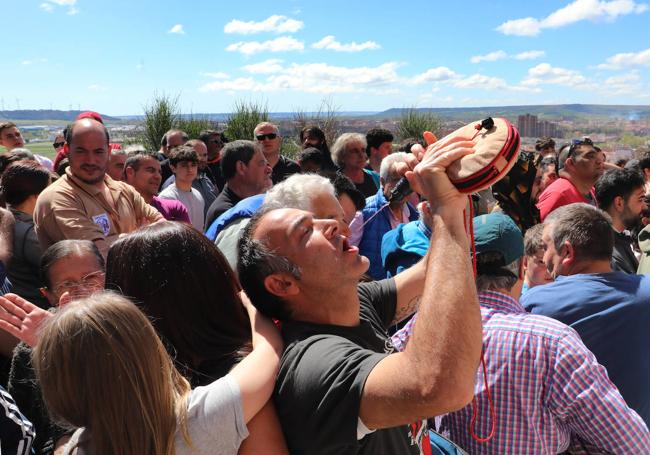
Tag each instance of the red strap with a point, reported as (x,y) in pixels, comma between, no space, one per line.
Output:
(493,415)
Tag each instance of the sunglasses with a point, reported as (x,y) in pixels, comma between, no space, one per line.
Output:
(271,136)
(57,145)
(577,143)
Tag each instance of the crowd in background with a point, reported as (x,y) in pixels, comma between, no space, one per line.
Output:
(215,296)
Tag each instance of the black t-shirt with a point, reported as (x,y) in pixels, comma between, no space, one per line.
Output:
(368,187)
(283,169)
(322,374)
(226,200)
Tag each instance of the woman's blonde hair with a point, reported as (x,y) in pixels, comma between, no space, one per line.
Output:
(101,366)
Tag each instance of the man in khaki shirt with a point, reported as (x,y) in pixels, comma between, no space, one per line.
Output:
(86,203)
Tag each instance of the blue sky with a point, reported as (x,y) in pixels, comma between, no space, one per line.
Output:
(111,56)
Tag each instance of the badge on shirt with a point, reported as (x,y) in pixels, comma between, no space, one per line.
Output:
(103,222)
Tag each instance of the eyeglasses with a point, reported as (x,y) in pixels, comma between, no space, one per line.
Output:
(57,145)
(577,143)
(94,280)
(270,136)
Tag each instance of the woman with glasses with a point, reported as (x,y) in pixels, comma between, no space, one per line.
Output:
(349,154)
(70,269)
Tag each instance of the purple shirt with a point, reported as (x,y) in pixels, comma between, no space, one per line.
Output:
(170,209)
(549,392)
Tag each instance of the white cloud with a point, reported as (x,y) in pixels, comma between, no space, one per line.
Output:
(545,74)
(529,55)
(481,81)
(280,44)
(576,11)
(26,62)
(623,84)
(626,59)
(528,26)
(269,66)
(316,78)
(177,29)
(275,24)
(49,6)
(489,57)
(438,74)
(217,75)
(329,42)
(96,88)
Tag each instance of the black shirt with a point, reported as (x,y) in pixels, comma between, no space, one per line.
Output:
(322,374)
(213,172)
(623,258)
(368,187)
(283,169)
(226,199)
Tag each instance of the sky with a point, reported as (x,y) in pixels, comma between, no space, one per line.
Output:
(113,56)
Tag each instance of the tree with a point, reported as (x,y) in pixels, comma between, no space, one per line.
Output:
(414,122)
(160,116)
(326,118)
(193,125)
(244,118)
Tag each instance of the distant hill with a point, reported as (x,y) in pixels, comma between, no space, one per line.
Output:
(47,114)
(556,112)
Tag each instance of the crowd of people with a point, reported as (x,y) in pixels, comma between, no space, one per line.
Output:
(215,296)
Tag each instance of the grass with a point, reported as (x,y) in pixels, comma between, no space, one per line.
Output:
(42,148)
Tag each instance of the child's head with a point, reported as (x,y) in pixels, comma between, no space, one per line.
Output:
(184,162)
(535,271)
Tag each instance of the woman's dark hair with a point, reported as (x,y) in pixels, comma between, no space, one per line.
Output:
(343,185)
(185,285)
(65,248)
(317,133)
(23,179)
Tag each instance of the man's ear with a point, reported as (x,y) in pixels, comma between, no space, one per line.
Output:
(281,285)
(569,257)
(618,203)
(240,168)
(129,172)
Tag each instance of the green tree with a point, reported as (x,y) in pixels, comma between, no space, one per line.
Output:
(413,122)
(193,125)
(244,117)
(160,115)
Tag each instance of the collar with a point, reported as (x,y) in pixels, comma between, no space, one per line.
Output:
(424,229)
(499,301)
(90,189)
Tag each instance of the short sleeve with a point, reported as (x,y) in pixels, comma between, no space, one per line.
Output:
(319,390)
(216,416)
(380,295)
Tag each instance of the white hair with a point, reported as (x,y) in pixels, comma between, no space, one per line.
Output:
(297,192)
(340,146)
(265,124)
(388,162)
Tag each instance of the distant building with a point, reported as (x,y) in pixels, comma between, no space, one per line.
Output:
(529,126)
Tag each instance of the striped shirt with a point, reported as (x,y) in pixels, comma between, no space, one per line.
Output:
(16,432)
(548,390)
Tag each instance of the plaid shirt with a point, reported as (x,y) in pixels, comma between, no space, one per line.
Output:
(548,390)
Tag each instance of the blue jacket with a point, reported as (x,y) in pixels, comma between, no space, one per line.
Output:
(373,232)
(243,209)
(404,246)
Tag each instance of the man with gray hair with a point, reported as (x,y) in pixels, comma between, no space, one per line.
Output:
(608,309)
(247,173)
(369,228)
(268,136)
(310,192)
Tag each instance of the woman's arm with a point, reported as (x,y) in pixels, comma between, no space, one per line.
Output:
(265,434)
(256,374)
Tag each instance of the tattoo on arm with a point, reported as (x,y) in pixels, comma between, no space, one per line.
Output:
(407,309)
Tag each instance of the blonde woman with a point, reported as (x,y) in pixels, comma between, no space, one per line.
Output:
(103,369)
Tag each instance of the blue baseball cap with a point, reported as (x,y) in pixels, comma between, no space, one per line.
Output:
(498,233)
